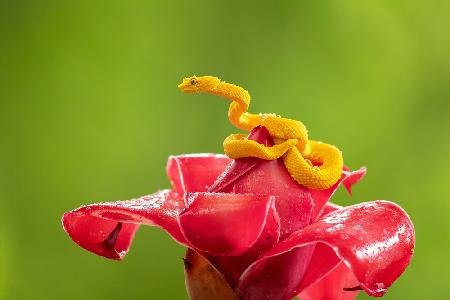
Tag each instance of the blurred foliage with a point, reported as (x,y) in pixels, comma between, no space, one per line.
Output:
(89,111)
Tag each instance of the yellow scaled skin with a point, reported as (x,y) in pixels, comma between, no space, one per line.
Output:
(299,154)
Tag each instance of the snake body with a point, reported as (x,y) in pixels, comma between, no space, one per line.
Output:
(312,164)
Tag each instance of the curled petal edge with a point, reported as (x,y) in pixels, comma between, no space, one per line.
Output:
(107,229)
(321,197)
(375,256)
(331,286)
(195,172)
(224,223)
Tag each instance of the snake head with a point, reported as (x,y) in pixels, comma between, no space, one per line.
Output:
(196,84)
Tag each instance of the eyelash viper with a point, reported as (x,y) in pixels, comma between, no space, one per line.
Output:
(312,164)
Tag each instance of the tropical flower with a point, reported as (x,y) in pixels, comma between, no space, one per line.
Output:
(265,235)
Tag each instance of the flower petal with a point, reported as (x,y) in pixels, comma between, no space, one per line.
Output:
(374,239)
(233,266)
(277,277)
(352,177)
(252,175)
(297,206)
(294,203)
(107,229)
(239,167)
(331,286)
(324,259)
(195,172)
(224,224)
(321,197)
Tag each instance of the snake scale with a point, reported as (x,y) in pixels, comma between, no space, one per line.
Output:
(312,164)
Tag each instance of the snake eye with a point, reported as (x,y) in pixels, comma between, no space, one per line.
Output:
(193,81)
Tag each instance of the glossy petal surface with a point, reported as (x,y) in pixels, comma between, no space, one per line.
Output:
(297,206)
(276,278)
(294,203)
(374,239)
(269,237)
(224,224)
(239,167)
(195,172)
(233,266)
(331,286)
(107,229)
(323,260)
(321,197)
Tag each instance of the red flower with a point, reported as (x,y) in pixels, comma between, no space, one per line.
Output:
(270,237)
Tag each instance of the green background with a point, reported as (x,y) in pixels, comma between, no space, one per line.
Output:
(90,112)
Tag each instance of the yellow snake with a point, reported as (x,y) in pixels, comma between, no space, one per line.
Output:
(312,164)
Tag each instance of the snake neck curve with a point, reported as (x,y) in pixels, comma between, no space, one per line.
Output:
(237,113)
